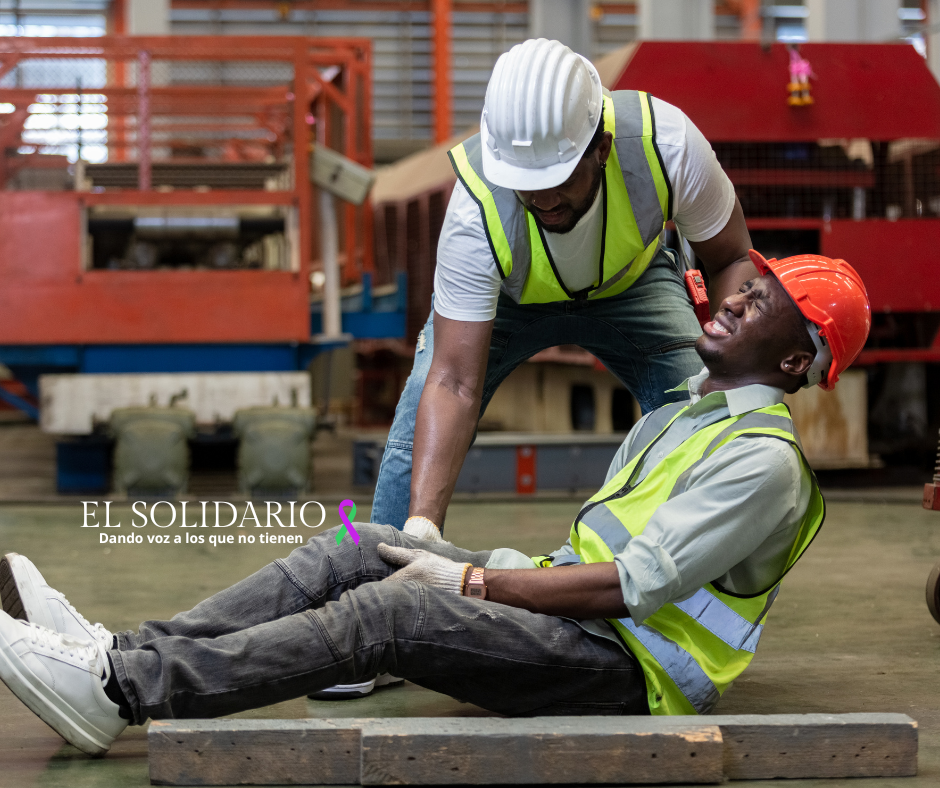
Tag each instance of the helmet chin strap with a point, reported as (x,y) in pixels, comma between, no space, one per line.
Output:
(823,359)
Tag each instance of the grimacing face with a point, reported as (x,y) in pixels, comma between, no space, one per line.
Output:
(752,331)
(560,208)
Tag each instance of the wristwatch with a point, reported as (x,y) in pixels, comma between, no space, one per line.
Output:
(475,586)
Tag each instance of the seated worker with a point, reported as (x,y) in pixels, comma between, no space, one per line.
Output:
(655,605)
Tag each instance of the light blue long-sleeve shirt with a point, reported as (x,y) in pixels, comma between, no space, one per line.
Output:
(734,523)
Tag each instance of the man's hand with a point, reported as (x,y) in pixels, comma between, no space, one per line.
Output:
(423,528)
(725,258)
(424,567)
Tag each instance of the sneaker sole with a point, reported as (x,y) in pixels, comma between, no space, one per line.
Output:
(40,700)
(18,598)
(344,691)
(350,691)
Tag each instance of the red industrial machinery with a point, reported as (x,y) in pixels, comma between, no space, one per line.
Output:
(855,175)
(199,226)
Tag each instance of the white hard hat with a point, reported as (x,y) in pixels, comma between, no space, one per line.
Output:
(542,107)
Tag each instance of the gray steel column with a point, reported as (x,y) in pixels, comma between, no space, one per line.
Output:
(151,18)
(329,254)
(567,21)
(853,20)
(148,17)
(688,20)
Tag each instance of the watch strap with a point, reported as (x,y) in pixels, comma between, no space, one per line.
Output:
(475,586)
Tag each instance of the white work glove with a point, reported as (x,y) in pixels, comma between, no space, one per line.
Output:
(424,567)
(423,528)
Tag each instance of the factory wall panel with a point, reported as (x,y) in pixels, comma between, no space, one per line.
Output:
(403,59)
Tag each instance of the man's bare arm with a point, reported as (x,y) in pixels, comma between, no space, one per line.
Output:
(448,413)
(581,591)
(725,258)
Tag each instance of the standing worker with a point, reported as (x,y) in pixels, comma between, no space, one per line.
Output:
(552,237)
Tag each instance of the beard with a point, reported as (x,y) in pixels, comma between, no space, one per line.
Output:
(577,211)
(706,353)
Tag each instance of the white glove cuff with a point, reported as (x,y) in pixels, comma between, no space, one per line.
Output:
(451,577)
(422,528)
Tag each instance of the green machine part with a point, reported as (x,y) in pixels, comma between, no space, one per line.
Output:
(274,449)
(151,452)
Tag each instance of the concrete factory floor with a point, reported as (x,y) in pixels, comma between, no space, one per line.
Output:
(849,633)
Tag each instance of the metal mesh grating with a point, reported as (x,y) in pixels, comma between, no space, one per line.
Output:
(835,179)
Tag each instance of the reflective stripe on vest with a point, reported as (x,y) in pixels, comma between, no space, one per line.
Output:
(504,224)
(603,522)
(633,124)
(637,196)
(655,423)
(722,621)
(679,665)
(691,650)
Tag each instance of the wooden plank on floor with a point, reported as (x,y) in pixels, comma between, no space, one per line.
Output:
(254,752)
(580,750)
(767,746)
(491,750)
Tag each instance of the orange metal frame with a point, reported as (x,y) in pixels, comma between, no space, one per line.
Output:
(47,297)
(443,79)
(491,7)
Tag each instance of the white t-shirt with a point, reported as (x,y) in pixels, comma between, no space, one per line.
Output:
(467,281)
(578,251)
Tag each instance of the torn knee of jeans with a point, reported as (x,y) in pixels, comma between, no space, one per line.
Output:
(485,612)
(422,341)
(456,628)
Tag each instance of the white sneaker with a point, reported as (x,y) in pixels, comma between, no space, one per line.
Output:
(26,595)
(360,690)
(61,679)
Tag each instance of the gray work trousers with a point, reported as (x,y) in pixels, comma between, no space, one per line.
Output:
(318,618)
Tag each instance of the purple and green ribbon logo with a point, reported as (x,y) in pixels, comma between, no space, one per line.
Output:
(347,522)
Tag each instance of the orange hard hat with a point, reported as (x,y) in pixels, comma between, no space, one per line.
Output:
(832,297)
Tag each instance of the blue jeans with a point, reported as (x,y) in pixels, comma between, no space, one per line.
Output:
(319,617)
(645,336)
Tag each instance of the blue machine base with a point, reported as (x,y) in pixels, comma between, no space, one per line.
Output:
(83,465)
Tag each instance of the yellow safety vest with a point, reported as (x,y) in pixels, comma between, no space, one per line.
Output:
(637,201)
(690,651)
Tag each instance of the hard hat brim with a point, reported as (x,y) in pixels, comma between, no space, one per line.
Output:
(529,179)
(760,262)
